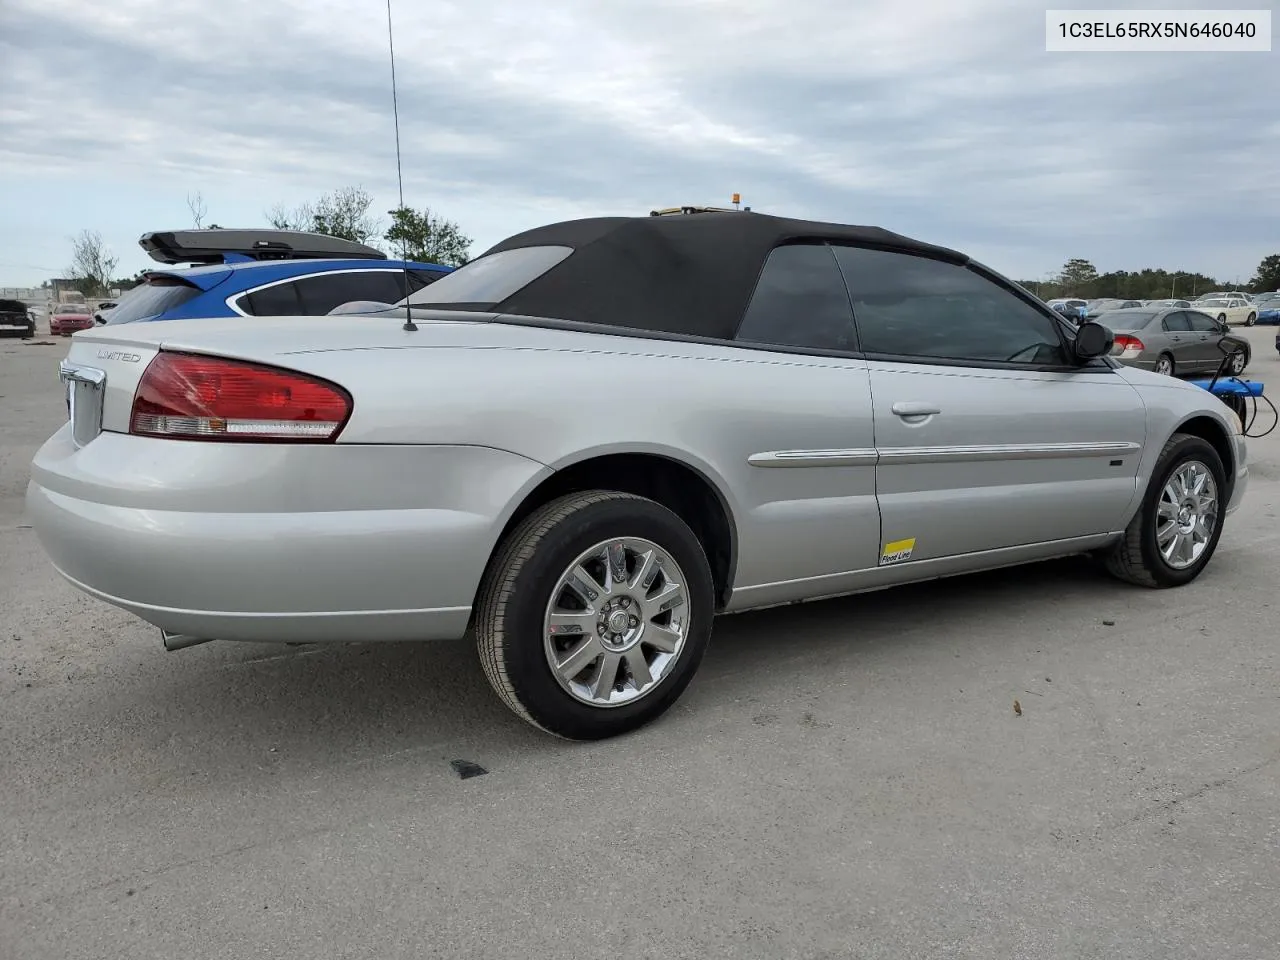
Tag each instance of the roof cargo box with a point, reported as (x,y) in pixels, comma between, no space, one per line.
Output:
(228,246)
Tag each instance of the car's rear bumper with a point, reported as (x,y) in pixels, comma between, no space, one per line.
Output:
(276,543)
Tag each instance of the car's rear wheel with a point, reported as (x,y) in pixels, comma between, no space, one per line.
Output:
(1164,365)
(1176,530)
(1250,320)
(594,614)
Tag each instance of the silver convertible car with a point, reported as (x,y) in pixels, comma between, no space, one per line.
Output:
(600,434)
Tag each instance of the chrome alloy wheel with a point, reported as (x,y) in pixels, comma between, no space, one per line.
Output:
(1186,515)
(617,622)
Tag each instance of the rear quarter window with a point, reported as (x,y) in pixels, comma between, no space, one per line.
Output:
(490,279)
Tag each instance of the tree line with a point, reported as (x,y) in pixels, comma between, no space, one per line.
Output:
(346,213)
(1080,278)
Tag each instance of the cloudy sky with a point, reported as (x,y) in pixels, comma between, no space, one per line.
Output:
(942,119)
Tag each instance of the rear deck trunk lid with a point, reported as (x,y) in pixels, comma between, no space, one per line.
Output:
(105,363)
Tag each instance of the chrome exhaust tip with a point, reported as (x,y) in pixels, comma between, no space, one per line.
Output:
(180,641)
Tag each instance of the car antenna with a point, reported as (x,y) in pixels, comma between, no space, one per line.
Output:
(409,325)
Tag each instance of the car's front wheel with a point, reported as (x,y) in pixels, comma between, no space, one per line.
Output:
(1239,360)
(595,614)
(1250,320)
(1222,318)
(1175,531)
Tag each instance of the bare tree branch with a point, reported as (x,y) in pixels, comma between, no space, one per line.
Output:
(195,203)
(283,218)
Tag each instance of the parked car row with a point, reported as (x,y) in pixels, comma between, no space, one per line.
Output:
(840,409)
(1229,307)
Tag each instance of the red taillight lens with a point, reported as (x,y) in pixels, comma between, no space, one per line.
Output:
(1126,342)
(193,397)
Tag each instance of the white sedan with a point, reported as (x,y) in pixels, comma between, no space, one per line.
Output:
(1229,310)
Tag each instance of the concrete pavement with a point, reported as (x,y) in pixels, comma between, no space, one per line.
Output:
(842,779)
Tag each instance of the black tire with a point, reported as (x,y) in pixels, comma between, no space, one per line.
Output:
(518,587)
(1222,318)
(1172,366)
(1250,320)
(1136,558)
(1239,361)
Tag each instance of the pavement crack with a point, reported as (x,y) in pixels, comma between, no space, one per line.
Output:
(135,878)
(1164,807)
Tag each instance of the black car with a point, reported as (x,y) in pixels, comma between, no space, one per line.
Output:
(16,320)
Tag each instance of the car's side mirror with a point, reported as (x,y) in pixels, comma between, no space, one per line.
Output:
(1092,340)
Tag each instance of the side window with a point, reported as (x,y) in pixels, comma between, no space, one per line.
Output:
(800,301)
(910,306)
(280,300)
(1176,323)
(384,286)
(1202,322)
(323,292)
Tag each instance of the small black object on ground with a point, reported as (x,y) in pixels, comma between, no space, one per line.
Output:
(466,769)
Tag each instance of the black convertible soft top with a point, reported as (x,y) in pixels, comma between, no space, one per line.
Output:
(682,274)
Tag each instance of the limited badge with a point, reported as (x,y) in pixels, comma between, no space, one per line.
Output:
(897,550)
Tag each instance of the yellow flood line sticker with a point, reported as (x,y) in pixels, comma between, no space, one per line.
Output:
(897,550)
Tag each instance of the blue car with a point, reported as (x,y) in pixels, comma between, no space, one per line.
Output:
(246,273)
(1268,305)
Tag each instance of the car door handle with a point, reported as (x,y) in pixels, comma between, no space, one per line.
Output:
(909,410)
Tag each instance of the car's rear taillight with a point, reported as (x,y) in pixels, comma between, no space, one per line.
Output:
(192,397)
(1128,345)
